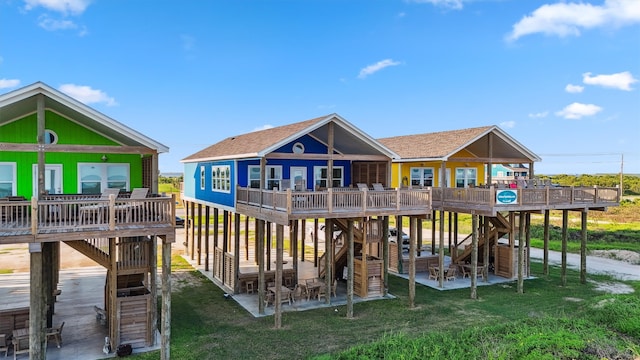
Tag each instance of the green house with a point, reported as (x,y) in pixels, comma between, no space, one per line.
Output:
(83,150)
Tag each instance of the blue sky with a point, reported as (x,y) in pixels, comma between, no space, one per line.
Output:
(561,77)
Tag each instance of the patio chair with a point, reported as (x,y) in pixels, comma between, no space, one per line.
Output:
(4,344)
(56,334)
(463,270)
(433,273)
(322,292)
(362,186)
(269,298)
(378,187)
(297,293)
(451,273)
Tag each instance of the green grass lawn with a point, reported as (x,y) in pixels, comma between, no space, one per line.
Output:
(548,321)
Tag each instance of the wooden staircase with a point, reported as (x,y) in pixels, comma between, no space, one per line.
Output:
(340,255)
(498,224)
(95,249)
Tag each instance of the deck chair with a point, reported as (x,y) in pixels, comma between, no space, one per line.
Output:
(451,273)
(433,273)
(378,187)
(139,193)
(110,191)
(362,186)
(4,344)
(463,271)
(56,334)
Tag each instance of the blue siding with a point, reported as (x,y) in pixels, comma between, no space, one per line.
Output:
(192,176)
(311,146)
(243,169)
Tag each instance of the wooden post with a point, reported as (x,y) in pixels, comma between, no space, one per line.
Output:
(399,242)
(186,228)
(527,257)
(225,244)
(441,251)
(545,260)
(36,304)
(512,241)
(215,241)
(294,241)
(260,260)
(165,331)
(206,238)
(193,229)
(385,254)
(474,257)
(111,305)
(303,236)
(565,225)
(350,270)
(315,242)
(364,268)
(449,230)
(246,238)
(279,250)
(521,247)
(412,261)
(199,261)
(328,269)
(433,232)
(583,248)
(47,281)
(487,249)
(419,235)
(236,252)
(153,286)
(268,261)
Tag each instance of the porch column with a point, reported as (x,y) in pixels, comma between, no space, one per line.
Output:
(328,269)
(474,256)
(487,249)
(583,248)
(294,241)
(41,118)
(260,260)
(545,261)
(165,331)
(441,251)
(36,304)
(246,237)
(193,229)
(153,284)
(330,153)
(521,247)
(350,270)
(215,263)
(225,242)
(236,252)
(565,225)
(199,261)
(206,238)
(315,242)
(186,228)
(412,262)
(385,255)
(279,251)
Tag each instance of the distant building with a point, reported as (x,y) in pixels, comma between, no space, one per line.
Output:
(509,172)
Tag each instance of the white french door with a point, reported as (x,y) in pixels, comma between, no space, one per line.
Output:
(298,176)
(52,179)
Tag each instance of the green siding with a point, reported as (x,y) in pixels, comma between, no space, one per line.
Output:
(24,130)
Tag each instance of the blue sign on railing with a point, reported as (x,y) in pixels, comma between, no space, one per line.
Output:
(506,197)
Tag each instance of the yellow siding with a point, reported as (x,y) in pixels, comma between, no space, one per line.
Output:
(405,167)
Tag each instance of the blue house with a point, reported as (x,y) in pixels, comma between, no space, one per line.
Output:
(323,168)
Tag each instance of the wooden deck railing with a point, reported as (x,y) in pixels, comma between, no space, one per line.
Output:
(68,213)
(333,200)
(539,196)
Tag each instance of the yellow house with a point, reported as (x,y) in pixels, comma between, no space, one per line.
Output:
(457,158)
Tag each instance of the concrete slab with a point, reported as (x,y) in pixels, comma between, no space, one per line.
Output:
(82,289)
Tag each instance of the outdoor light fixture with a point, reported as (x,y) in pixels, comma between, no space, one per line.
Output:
(104,158)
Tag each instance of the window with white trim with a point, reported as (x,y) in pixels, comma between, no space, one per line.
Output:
(320,176)
(466,177)
(94,178)
(274,177)
(202,177)
(7,179)
(221,178)
(421,176)
(254,176)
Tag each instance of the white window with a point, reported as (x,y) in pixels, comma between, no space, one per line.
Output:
(7,179)
(201,177)
(274,177)
(421,176)
(254,177)
(221,178)
(466,177)
(94,178)
(320,176)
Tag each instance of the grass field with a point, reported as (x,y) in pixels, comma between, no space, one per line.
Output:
(548,321)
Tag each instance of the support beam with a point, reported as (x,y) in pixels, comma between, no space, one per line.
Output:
(153,285)
(399,243)
(199,261)
(350,270)
(165,328)
(521,247)
(441,249)
(279,251)
(385,255)
(215,241)
(36,304)
(545,260)
(565,226)
(329,255)
(474,256)
(413,228)
(193,230)
(487,249)
(260,260)
(206,238)
(315,242)
(236,252)
(583,248)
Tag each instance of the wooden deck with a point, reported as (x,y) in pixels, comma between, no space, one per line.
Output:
(483,201)
(283,206)
(75,217)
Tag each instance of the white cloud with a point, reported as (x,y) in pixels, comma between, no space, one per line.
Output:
(565,19)
(508,124)
(87,95)
(539,115)
(578,110)
(9,83)
(621,81)
(451,4)
(263,127)
(377,67)
(570,88)
(75,7)
(50,24)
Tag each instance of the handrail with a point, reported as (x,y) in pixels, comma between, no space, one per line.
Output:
(78,212)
